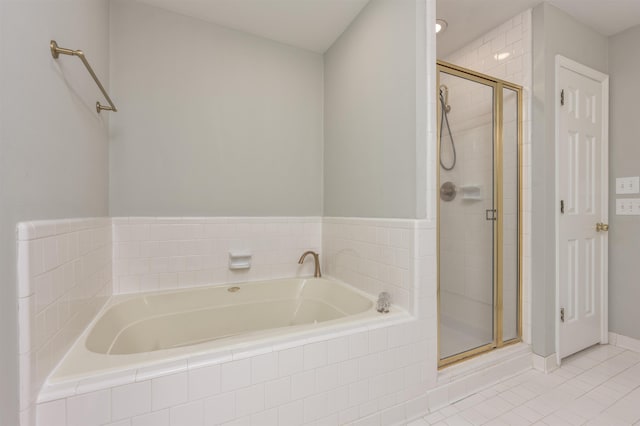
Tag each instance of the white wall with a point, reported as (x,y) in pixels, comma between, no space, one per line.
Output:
(375,114)
(53,145)
(624,152)
(554,32)
(211,121)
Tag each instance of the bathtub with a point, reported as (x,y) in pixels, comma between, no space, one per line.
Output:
(139,335)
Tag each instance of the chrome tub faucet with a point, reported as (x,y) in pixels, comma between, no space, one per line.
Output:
(384,302)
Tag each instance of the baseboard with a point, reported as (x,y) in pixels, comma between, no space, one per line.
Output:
(624,342)
(545,364)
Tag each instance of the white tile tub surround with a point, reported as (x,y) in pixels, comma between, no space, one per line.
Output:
(374,376)
(64,278)
(383,373)
(167,253)
(506,52)
(373,255)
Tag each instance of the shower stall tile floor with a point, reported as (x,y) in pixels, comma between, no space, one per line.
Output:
(454,340)
(598,386)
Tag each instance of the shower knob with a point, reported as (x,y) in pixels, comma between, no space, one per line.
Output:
(448,191)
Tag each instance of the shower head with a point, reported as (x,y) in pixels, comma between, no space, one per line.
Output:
(444,98)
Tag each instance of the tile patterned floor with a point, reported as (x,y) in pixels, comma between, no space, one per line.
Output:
(598,386)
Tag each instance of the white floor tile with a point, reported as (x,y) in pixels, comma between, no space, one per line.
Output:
(598,387)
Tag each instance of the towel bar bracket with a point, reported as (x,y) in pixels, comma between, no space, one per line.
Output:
(56,51)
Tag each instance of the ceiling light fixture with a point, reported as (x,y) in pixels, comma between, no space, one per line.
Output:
(501,56)
(441,25)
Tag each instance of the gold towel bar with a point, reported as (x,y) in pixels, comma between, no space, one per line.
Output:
(56,51)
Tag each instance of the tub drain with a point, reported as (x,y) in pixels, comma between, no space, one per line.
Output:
(233,289)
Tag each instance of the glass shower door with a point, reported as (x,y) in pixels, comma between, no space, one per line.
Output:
(467,215)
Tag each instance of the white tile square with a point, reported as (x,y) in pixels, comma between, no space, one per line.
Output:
(52,413)
(315,355)
(204,381)
(169,390)
(358,392)
(49,253)
(277,392)
(219,409)
(264,367)
(327,377)
(291,414)
(348,415)
(290,361)
(303,384)
(191,414)
(338,350)
(394,415)
(250,400)
(26,324)
(92,409)
(347,372)
(235,375)
(265,418)
(130,400)
(358,345)
(157,418)
(315,407)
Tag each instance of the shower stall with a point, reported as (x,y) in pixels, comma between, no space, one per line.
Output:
(479,213)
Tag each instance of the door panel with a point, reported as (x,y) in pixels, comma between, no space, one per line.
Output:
(466,236)
(582,192)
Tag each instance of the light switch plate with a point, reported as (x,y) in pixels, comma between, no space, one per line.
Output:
(628,185)
(628,206)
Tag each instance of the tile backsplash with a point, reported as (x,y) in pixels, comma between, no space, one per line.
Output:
(167,253)
(64,278)
(373,255)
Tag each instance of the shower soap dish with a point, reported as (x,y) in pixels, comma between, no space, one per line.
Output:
(471,192)
(239,259)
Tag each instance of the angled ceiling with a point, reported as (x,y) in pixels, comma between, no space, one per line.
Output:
(309,24)
(469,19)
(608,17)
(315,24)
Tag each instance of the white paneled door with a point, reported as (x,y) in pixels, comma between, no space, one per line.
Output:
(582,197)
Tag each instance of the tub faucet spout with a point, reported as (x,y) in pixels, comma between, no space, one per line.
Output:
(316,259)
(384,302)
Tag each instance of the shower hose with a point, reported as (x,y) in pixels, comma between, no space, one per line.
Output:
(444,118)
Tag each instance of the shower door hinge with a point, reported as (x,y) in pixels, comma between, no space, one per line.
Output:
(562,97)
(562,314)
(561,206)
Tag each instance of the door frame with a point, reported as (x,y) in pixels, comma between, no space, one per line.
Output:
(498,85)
(603,79)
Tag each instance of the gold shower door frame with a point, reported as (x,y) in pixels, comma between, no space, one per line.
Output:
(498,86)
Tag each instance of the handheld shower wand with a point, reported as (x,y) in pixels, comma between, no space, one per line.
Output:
(444,118)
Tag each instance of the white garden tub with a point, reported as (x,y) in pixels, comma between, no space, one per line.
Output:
(135,334)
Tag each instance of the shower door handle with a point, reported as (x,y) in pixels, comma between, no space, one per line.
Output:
(490,214)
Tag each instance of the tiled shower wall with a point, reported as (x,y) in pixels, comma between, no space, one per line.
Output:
(64,278)
(506,53)
(167,253)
